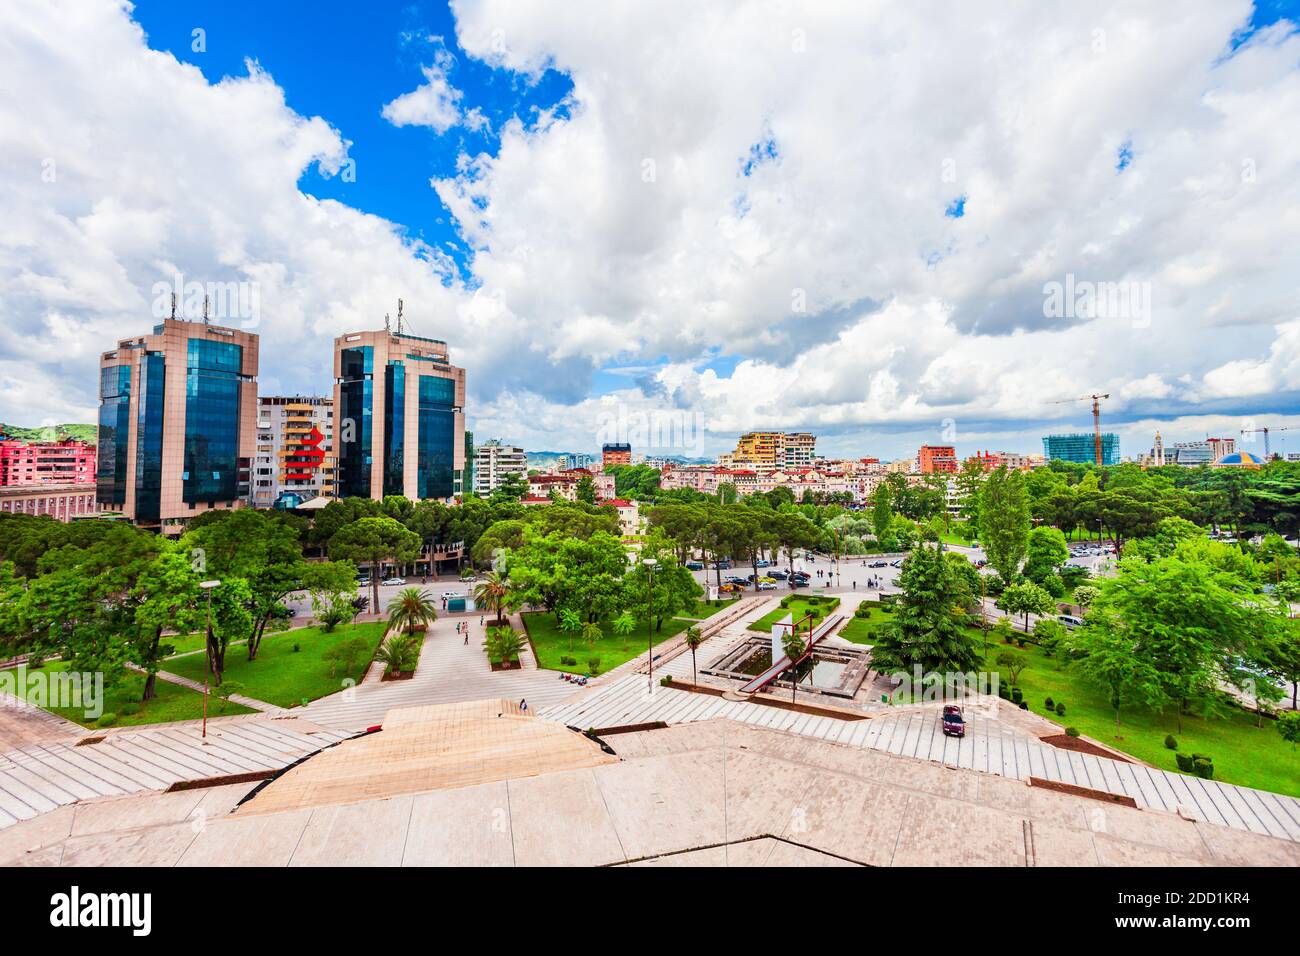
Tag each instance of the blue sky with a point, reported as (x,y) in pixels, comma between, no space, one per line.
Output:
(343,61)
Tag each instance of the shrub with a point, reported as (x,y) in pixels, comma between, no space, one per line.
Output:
(862,612)
(1017,695)
(1071,731)
(106,720)
(1003,692)
(566,661)
(1184,762)
(666,680)
(1024,705)
(594,664)
(1020,641)
(297,647)
(1060,709)
(1171,742)
(1202,766)
(130,710)
(1048,704)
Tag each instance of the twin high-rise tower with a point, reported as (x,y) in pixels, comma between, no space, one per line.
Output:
(178,420)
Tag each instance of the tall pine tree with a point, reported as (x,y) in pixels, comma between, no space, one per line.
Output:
(929,626)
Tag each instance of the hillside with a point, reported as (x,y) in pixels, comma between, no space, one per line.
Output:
(49,432)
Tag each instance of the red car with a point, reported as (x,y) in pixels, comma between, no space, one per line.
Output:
(953,724)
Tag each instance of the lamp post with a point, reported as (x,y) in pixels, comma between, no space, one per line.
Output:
(650,565)
(208,586)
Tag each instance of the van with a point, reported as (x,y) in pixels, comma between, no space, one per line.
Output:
(1070,621)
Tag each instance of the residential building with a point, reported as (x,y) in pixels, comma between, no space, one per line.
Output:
(564,486)
(399,417)
(629,516)
(295,457)
(767,451)
(1014,461)
(1219,447)
(937,459)
(62,462)
(1081,447)
(493,462)
(63,502)
(177,423)
(618,453)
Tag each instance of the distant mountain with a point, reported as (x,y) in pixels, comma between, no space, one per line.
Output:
(87,433)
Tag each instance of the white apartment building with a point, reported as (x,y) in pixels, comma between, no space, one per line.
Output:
(493,462)
(295,448)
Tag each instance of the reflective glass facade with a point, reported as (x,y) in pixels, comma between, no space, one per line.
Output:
(212,399)
(355,416)
(437,437)
(149,436)
(114,434)
(394,428)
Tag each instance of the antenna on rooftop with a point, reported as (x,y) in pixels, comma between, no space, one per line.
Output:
(388,326)
(173,305)
(205,310)
(399,316)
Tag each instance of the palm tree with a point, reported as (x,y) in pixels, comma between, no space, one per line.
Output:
(493,593)
(624,625)
(399,651)
(504,642)
(693,640)
(412,611)
(570,623)
(794,648)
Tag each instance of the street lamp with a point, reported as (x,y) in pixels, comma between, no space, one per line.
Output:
(207,639)
(650,565)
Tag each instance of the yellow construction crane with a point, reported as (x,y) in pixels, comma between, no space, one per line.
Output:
(1096,416)
(1265,429)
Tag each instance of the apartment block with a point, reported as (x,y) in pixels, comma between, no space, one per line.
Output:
(937,459)
(399,417)
(64,462)
(177,423)
(295,457)
(494,462)
(617,453)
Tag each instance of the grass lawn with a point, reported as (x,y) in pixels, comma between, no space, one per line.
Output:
(863,630)
(172,702)
(550,643)
(187,643)
(1242,753)
(286,677)
(798,607)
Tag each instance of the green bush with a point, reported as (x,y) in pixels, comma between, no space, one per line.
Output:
(566,661)
(1017,695)
(666,680)
(1003,692)
(1060,709)
(1171,742)
(129,710)
(1202,766)
(594,664)
(1071,731)
(1184,762)
(1024,705)
(1048,704)
(297,647)
(106,720)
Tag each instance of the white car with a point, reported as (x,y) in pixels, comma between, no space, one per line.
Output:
(393,582)
(767,585)
(449,595)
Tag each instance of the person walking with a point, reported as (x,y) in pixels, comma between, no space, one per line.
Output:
(523,704)
(467,638)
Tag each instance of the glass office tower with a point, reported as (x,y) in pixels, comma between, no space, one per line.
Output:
(399,402)
(177,422)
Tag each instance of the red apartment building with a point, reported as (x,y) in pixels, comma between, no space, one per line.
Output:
(68,462)
(934,459)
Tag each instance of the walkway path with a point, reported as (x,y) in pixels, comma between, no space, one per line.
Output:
(918,734)
(249,702)
(39,777)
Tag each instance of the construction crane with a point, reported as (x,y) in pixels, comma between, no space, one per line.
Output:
(1096,416)
(1268,455)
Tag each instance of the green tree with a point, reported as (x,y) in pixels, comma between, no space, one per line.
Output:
(495,594)
(693,639)
(1004,520)
(928,628)
(794,647)
(412,611)
(1013,663)
(623,625)
(1026,597)
(400,651)
(586,490)
(373,541)
(1112,657)
(1046,552)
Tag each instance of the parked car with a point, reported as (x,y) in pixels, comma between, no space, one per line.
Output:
(723,565)
(953,723)
(695,565)
(393,582)
(1070,621)
(731,587)
(878,564)
(798,582)
(777,575)
(761,563)
(448,595)
(767,585)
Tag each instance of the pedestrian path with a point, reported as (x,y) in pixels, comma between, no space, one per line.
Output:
(40,777)
(249,702)
(918,734)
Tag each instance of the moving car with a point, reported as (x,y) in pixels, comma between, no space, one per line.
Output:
(878,564)
(448,595)
(1070,621)
(393,582)
(896,564)
(953,723)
